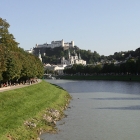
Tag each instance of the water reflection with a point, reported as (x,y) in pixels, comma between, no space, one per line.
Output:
(99,86)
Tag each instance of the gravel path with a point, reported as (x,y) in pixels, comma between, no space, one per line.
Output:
(17,86)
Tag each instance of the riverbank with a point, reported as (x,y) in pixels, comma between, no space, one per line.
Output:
(27,112)
(101,110)
(102,77)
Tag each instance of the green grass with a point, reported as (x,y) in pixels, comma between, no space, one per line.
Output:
(103,77)
(28,104)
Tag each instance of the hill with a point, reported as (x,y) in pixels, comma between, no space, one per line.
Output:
(54,55)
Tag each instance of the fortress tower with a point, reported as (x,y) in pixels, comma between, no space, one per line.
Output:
(72,42)
(62,42)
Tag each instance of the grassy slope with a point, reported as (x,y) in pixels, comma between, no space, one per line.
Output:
(19,105)
(101,77)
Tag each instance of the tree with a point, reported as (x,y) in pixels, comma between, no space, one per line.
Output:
(123,68)
(6,39)
(79,68)
(131,66)
(2,61)
(15,63)
(13,67)
(138,66)
(98,68)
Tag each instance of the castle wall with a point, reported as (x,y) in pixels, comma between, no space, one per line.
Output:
(56,44)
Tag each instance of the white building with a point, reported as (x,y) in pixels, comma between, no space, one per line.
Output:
(30,51)
(39,56)
(58,68)
(73,60)
(56,44)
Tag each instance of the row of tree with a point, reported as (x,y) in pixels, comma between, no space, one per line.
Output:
(130,67)
(15,63)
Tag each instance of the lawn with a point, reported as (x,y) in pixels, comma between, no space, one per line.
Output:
(29,104)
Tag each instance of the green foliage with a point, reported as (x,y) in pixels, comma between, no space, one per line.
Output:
(82,69)
(130,67)
(2,61)
(6,39)
(48,71)
(53,56)
(13,67)
(15,63)
(138,65)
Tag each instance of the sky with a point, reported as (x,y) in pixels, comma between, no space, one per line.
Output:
(104,26)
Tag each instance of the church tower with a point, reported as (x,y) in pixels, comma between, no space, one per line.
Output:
(69,54)
(79,56)
(39,56)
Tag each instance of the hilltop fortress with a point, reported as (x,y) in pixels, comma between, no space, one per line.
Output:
(44,50)
(56,44)
(53,44)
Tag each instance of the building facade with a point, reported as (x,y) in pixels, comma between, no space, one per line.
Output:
(65,63)
(58,68)
(73,59)
(56,44)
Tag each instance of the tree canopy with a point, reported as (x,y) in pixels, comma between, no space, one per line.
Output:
(15,63)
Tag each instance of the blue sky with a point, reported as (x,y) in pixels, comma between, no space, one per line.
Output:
(105,26)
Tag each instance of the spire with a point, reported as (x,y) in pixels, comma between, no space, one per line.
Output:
(75,53)
(69,53)
(79,56)
(39,56)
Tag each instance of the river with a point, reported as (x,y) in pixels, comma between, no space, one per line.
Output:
(100,110)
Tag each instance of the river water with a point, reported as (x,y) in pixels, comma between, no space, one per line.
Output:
(100,110)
